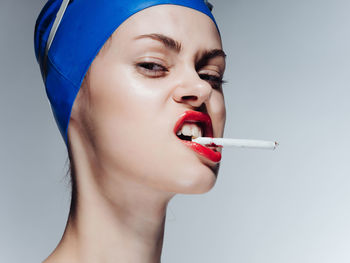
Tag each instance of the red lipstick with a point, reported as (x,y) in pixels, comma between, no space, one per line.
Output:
(205,122)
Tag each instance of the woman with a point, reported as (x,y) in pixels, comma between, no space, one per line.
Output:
(130,83)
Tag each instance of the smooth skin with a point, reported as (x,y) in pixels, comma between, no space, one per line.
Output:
(127,160)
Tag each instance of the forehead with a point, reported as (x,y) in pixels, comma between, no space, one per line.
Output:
(186,25)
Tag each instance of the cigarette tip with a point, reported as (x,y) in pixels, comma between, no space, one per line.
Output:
(276,144)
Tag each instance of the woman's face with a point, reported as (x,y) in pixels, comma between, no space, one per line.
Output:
(160,63)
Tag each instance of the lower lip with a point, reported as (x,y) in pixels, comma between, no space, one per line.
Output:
(204,151)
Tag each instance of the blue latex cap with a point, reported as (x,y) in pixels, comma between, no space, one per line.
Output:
(84,28)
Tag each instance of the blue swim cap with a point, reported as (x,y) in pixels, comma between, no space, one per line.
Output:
(68,36)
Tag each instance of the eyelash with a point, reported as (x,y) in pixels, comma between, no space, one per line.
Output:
(215,81)
(153,73)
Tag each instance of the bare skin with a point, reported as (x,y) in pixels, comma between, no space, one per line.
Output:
(127,160)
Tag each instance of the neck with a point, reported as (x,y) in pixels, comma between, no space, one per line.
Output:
(106,231)
(119,221)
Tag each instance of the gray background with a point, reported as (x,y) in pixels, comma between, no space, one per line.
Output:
(288,79)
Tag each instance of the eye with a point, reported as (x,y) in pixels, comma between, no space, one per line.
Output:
(215,81)
(151,69)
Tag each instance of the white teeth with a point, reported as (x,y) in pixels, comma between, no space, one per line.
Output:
(187,129)
(190,129)
(197,132)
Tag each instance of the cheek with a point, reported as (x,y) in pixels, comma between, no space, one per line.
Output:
(117,92)
(218,110)
(124,108)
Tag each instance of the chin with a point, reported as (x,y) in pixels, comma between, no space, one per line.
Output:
(197,180)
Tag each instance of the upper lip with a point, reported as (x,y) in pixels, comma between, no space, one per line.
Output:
(195,117)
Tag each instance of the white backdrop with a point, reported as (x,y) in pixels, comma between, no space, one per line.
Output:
(288,79)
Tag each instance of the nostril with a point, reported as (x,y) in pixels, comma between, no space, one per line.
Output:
(189,97)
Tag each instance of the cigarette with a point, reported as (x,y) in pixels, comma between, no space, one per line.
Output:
(242,143)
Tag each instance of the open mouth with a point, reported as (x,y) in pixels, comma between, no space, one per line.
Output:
(190,130)
(194,124)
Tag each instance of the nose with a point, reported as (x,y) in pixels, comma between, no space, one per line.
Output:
(192,90)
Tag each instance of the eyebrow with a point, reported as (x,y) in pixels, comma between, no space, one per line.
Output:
(176,46)
(209,54)
(167,41)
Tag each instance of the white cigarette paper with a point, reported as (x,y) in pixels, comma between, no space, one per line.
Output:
(224,142)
